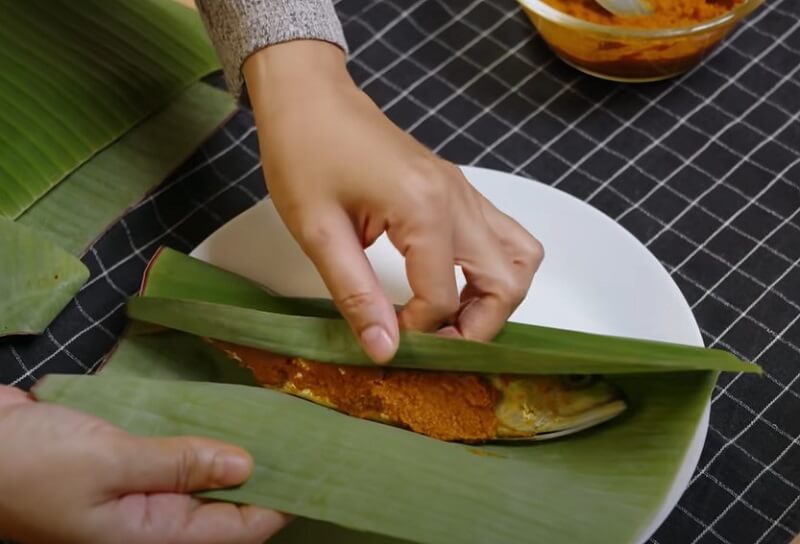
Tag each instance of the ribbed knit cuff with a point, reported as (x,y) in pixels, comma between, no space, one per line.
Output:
(239,28)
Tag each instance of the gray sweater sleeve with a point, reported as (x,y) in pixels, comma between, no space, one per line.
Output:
(239,28)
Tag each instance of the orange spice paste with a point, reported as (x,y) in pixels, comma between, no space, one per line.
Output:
(631,58)
(443,405)
(666,13)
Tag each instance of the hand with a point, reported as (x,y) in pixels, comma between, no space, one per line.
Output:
(66,477)
(340,174)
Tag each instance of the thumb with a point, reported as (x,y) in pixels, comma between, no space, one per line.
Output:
(339,258)
(178,465)
(11,395)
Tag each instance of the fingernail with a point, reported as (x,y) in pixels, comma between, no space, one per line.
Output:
(449,332)
(230,468)
(377,343)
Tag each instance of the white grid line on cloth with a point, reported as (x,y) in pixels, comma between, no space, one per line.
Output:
(744,88)
(377,74)
(440,117)
(749,409)
(776,335)
(85,314)
(508,85)
(783,515)
(135,249)
(723,391)
(201,207)
(511,89)
(244,148)
(756,460)
(485,71)
(746,504)
(764,350)
(705,146)
(768,288)
(95,364)
(587,174)
(19,360)
(157,213)
(737,267)
(459,91)
(759,416)
(105,271)
(698,152)
(69,354)
(247,192)
(382,32)
(359,13)
(740,120)
(767,35)
(63,347)
(627,124)
(515,129)
(700,522)
(211,213)
(652,102)
(727,223)
(599,145)
(428,72)
(719,298)
(736,352)
(739,499)
(695,109)
(206,160)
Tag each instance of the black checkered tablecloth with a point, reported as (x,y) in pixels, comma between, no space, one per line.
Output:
(705,170)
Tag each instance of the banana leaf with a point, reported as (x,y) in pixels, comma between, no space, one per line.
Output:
(75,76)
(38,279)
(191,296)
(79,208)
(597,487)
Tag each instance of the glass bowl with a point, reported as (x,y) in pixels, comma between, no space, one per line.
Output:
(628,53)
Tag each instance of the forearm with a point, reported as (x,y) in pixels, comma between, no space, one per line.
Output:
(240,28)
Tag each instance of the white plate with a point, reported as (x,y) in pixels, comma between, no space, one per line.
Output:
(596,276)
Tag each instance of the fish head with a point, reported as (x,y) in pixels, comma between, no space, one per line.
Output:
(545,407)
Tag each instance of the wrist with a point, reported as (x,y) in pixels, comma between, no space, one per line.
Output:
(295,70)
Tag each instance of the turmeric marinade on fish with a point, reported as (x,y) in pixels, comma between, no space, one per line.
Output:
(450,406)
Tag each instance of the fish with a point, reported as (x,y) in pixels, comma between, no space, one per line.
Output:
(450,406)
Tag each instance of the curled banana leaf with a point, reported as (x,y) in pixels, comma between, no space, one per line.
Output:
(451,406)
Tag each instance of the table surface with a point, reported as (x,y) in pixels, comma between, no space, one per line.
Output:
(703,169)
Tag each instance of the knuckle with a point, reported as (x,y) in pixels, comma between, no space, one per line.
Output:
(530,253)
(313,232)
(428,186)
(185,465)
(355,304)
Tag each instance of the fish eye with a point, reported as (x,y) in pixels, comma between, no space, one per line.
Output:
(574,381)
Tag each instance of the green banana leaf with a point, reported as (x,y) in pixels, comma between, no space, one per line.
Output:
(177,291)
(600,486)
(78,209)
(75,76)
(38,279)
